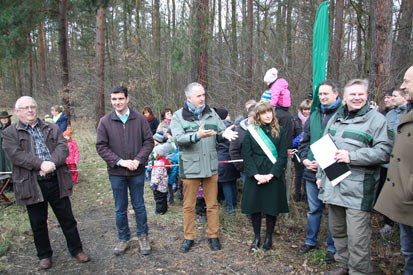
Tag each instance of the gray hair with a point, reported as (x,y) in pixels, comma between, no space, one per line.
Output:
(357,81)
(190,88)
(250,102)
(20,99)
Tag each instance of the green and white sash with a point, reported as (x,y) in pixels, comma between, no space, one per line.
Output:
(264,142)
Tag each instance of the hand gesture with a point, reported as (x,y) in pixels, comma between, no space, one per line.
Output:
(205,133)
(229,134)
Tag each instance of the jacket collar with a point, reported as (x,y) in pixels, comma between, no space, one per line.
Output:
(341,114)
(114,116)
(187,115)
(23,126)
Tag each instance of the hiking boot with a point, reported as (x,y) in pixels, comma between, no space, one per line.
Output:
(186,245)
(214,244)
(121,247)
(305,248)
(267,243)
(385,230)
(330,257)
(144,245)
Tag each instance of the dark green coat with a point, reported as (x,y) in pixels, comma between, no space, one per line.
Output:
(5,164)
(269,198)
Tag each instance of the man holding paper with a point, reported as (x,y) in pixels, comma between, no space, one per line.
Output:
(330,102)
(364,142)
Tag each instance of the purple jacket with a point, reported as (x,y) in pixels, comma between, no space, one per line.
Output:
(116,141)
(280,95)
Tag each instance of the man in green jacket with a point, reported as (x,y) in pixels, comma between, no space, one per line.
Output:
(196,128)
(364,142)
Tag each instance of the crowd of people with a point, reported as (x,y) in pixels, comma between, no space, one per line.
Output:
(198,153)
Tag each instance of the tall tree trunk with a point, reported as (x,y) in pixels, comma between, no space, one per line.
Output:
(156,45)
(29,42)
(402,51)
(63,54)
(42,59)
(249,49)
(202,59)
(100,63)
(337,39)
(289,36)
(234,52)
(17,77)
(381,45)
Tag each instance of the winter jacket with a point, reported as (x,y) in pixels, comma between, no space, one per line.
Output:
(396,197)
(393,117)
(18,144)
(73,157)
(280,95)
(116,141)
(5,164)
(153,124)
(235,146)
(313,130)
(62,122)
(269,198)
(159,175)
(366,137)
(197,158)
(226,171)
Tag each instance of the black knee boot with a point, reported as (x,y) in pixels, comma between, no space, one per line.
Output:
(270,229)
(256,225)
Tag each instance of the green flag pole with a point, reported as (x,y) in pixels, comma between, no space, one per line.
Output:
(320,50)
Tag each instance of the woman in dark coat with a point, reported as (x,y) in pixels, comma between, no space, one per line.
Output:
(59,117)
(264,189)
(150,118)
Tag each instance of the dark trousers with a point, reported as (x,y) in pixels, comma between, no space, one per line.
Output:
(298,179)
(161,200)
(63,211)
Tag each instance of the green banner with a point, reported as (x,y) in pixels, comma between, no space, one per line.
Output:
(320,50)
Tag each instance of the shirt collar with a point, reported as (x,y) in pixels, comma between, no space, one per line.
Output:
(123,116)
(27,126)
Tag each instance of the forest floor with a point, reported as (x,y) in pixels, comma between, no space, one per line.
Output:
(93,208)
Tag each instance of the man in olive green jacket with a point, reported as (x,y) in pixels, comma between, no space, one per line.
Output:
(196,128)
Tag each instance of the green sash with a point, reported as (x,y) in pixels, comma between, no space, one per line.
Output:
(264,142)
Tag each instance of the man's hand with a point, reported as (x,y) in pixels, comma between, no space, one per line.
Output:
(310,165)
(342,156)
(47,167)
(229,134)
(129,164)
(318,182)
(205,133)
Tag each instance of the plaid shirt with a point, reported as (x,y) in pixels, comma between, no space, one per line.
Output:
(40,148)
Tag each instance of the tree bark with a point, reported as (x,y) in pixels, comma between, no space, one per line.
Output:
(63,54)
(381,45)
(250,34)
(100,63)
(337,39)
(42,59)
(234,52)
(202,59)
(29,42)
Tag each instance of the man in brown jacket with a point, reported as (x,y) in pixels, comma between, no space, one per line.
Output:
(124,140)
(38,152)
(396,198)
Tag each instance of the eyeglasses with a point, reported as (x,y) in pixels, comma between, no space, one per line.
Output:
(31,107)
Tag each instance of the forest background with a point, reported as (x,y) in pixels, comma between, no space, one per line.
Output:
(72,52)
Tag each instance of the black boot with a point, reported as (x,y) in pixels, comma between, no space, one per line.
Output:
(270,229)
(170,194)
(256,225)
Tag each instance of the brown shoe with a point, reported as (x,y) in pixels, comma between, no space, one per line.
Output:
(338,271)
(82,257)
(144,245)
(45,263)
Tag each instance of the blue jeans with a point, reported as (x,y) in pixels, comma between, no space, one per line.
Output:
(230,194)
(406,241)
(243,176)
(314,217)
(120,185)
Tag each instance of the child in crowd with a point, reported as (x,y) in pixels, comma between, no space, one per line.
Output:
(73,157)
(280,95)
(159,178)
(173,159)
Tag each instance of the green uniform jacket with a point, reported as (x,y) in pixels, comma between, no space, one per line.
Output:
(368,139)
(269,198)
(5,164)
(396,197)
(197,159)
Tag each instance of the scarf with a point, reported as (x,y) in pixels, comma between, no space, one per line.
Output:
(150,117)
(302,117)
(264,142)
(197,112)
(167,121)
(332,106)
